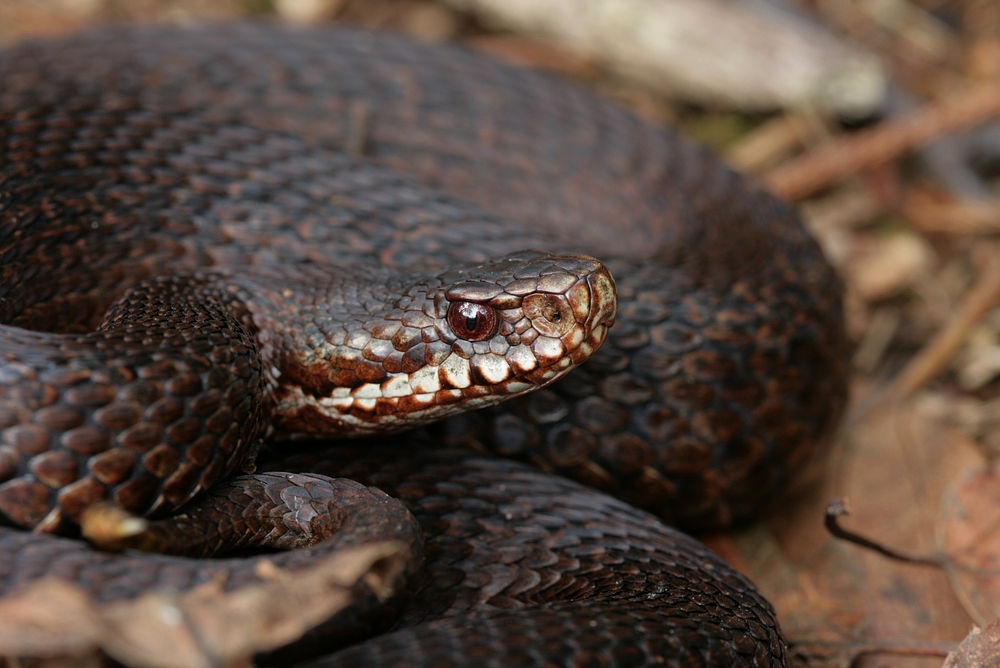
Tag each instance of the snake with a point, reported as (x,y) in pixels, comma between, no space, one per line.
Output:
(246,268)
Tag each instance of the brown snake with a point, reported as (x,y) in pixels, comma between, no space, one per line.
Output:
(192,261)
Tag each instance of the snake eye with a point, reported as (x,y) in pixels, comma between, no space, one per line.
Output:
(472,321)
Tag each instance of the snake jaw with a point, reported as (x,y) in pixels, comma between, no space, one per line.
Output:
(410,367)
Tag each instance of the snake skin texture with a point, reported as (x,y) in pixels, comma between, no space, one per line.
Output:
(525,568)
(313,178)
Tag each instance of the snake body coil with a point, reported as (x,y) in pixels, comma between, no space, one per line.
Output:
(214,235)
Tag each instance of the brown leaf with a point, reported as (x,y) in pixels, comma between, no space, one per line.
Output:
(202,627)
(980,649)
(52,617)
(837,598)
(891,265)
(970,534)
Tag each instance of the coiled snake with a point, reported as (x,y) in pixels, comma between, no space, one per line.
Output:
(214,236)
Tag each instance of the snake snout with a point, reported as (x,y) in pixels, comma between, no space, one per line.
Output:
(602,307)
(570,309)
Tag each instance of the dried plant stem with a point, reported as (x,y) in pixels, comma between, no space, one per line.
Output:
(839,158)
(859,649)
(982,297)
(838,508)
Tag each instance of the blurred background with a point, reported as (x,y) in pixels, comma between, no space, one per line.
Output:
(876,117)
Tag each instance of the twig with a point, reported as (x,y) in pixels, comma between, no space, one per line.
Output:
(857,650)
(359,130)
(982,297)
(768,143)
(884,325)
(927,213)
(837,159)
(930,649)
(839,508)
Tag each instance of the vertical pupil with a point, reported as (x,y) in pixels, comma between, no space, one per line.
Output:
(472,321)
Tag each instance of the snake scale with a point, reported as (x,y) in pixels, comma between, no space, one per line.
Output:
(215,236)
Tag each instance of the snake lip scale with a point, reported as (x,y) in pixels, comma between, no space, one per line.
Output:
(200,275)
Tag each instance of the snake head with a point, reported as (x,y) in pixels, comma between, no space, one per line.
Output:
(465,338)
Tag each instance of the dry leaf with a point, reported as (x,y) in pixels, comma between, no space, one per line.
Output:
(980,649)
(204,627)
(969,530)
(306,11)
(838,596)
(50,618)
(890,266)
(979,360)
